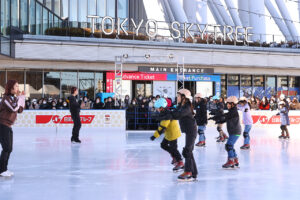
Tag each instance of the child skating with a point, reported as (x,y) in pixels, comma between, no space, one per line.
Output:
(234,129)
(172,132)
(201,118)
(284,119)
(247,120)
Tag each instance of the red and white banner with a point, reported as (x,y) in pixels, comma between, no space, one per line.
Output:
(62,118)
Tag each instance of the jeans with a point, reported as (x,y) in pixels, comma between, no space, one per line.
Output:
(230,142)
(172,148)
(247,136)
(6,140)
(201,133)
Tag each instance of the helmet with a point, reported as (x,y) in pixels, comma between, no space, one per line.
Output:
(185,92)
(243,99)
(198,95)
(282,96)
(160,103)
(232,99)
(281,103)
(216,97)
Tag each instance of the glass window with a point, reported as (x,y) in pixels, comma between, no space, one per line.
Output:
(92,7)
(101,8)
(39,19)
(111,8)
(68,80)
(2,83)
(82,11)
(246,80)
(258,81)
(34,86)
(65,8)
(99,83)
(86,84)
(23,14)
(73,8)
(32,17)
(45,20)
(48,4)
(148,90)
(270,86)
(123,8)
(57,7)
(282,81)
(50,20)
(5,16)
(233,80)
(18,76)
(15,13)
(223,85)
(294,86)
(51,85)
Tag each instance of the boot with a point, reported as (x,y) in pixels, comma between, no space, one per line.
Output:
(281,136)
(201,144)
(230,164)
(245,146)
(236,162)
(174,161)
(178,167)
(185,176)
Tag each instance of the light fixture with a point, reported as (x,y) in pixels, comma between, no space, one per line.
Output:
(171,56)
(125,56)
(147,56)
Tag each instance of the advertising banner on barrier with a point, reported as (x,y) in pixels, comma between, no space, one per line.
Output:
(62,118)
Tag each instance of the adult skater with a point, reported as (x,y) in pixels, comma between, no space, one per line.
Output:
(75,114)
(234,129)
(201,118)
(12,103)
(184,112)
(218,112)
(172,132)
(247,119)
(284,119)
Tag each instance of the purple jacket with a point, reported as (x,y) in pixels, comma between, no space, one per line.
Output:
(247,118)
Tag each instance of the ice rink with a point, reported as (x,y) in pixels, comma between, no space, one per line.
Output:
(128,166)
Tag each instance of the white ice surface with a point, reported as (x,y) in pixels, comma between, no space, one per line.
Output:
(120,166)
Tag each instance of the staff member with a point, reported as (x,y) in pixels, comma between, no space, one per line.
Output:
(12,103)
(75,114)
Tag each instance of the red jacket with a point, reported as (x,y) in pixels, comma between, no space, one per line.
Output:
(169,101)
(264,107)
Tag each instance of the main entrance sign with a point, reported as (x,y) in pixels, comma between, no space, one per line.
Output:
(174,70)
(177,29)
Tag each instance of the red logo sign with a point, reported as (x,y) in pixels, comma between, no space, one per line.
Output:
(45,119)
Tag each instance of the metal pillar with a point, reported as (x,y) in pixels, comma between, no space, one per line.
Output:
(180,73)
(118,77)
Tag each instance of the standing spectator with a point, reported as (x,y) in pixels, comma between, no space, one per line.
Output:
(44,105)
(295,104)
(109,104)
(273,104)
(27,104)
(53,105)
(34,105)
(85,104)
(126,102)
(264,104)
(169,101)
(98,104)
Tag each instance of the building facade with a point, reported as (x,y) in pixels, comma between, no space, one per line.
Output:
(47,65)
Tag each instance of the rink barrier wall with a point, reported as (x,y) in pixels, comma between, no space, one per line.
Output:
(62,118)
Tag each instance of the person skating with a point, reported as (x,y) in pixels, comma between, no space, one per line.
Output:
(284,120)
(234,129)
(247,119)
(218,113)
(201,118)
(184,112)
(172,132)
(75,114)
(12,103)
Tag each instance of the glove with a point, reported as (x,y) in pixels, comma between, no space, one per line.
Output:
(152,138)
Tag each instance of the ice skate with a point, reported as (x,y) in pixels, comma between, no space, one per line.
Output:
(230,164)
(6,174)
(287,137)
(201,144)
(236,162)
(174,161)
(185,177)
(281,137)
(75,141)
(245,147)
(178,167)
(221,139)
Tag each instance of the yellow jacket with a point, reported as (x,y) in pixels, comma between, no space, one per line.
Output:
(170,128)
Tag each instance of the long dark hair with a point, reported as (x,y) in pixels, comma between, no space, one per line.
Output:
(9,86)
(187,101)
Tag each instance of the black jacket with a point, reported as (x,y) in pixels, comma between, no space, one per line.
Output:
(219,113)
(185,116)
(74,105)
(201,113)
(99,105)
(232,119)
